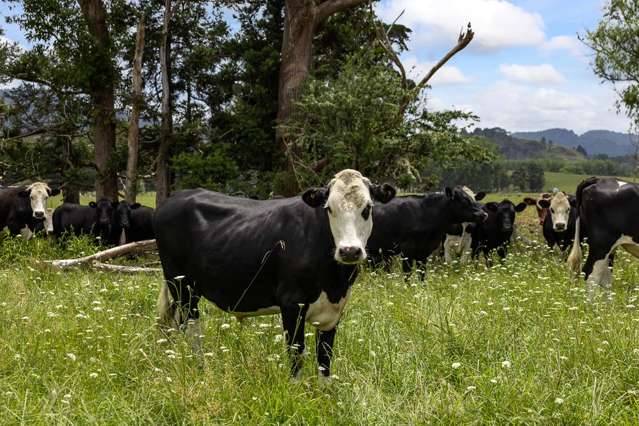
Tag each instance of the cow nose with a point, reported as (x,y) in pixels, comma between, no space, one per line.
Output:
(483,216)
(350,253)
(38,214)
(560,226)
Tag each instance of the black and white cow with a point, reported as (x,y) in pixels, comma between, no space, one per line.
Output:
(559,223)
(24,207)
(607,212)
(98,219)
(414,226)
(295,256)
(457,241)
(497,230)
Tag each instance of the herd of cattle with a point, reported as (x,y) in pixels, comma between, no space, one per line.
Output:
(298,256)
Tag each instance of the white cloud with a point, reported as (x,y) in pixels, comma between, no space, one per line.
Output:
(517,107)
(564,43)
(497,23)
(445,76)
(536,74)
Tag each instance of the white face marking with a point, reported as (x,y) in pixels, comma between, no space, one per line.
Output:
(323,314)
(560,211)
(350,216)
(621,183)
(39,194)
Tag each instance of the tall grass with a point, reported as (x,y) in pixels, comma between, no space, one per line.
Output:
(517,343)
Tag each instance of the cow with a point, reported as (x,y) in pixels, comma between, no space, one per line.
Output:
(295,256)
(413,226)
(542,212)
(458,240)
(135,221)
(97,219)
(497,230)
(559,225)
(25,207)
(607,211)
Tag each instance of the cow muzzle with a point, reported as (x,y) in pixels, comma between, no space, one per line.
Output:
(350,254)
(560,227)
(481,216)
(38,214)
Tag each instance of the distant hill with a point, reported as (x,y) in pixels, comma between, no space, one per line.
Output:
(613,144)
(514,148)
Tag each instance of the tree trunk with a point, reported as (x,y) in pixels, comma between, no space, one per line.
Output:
(133,140)
(301,20)
(162,182)
(102,94)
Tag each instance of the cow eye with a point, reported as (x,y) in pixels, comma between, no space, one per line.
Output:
(366,212)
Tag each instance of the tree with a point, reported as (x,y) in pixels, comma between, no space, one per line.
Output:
(580,149)
(133,139)
(615,42)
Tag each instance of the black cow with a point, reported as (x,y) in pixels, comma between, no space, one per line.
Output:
(414,226)
(22,207)
(253,257)
(559,225)
(98,219)
(607,212)
(136,221)
(496,232)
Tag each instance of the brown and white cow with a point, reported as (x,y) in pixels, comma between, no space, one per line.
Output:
(542,211)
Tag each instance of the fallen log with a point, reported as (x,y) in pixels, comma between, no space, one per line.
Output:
(130,248)
(124,268)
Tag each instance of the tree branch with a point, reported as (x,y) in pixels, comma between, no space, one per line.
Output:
(330,7)
(384,41)
(465,37)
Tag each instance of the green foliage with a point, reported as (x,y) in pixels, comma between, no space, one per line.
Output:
(210,171)
(528,176)
(355,121)
(615,42)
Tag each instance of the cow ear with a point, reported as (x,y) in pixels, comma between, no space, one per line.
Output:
(520,207)
(315,197)
(449,192)
(492,206)
(572,201)
(92,204)
(23,194)
(480,196)
(544,203)
(53,192)
(530,201)
(135,206)
(383,193)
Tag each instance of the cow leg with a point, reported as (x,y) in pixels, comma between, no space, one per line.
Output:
(502,251)
(324,348)
(407,265)
(293,323)
(597,268)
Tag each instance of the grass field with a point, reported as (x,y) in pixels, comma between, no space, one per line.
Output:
(518,343)
(568,182)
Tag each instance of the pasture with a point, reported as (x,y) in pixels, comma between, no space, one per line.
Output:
(517,343)
(569,181)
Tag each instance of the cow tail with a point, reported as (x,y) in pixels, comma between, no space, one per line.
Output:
(165,308)
(574,259)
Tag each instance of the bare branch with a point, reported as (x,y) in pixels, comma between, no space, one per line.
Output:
(135,247)
(330,7)
(384,41)
(465,37)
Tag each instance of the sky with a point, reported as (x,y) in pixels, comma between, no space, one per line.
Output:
(524,70)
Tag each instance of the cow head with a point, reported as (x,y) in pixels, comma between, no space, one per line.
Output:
(542,212)
(559,206)
(348,201)
(123,213)
(463,207)
(38,193)
(104,217)
(504,214)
